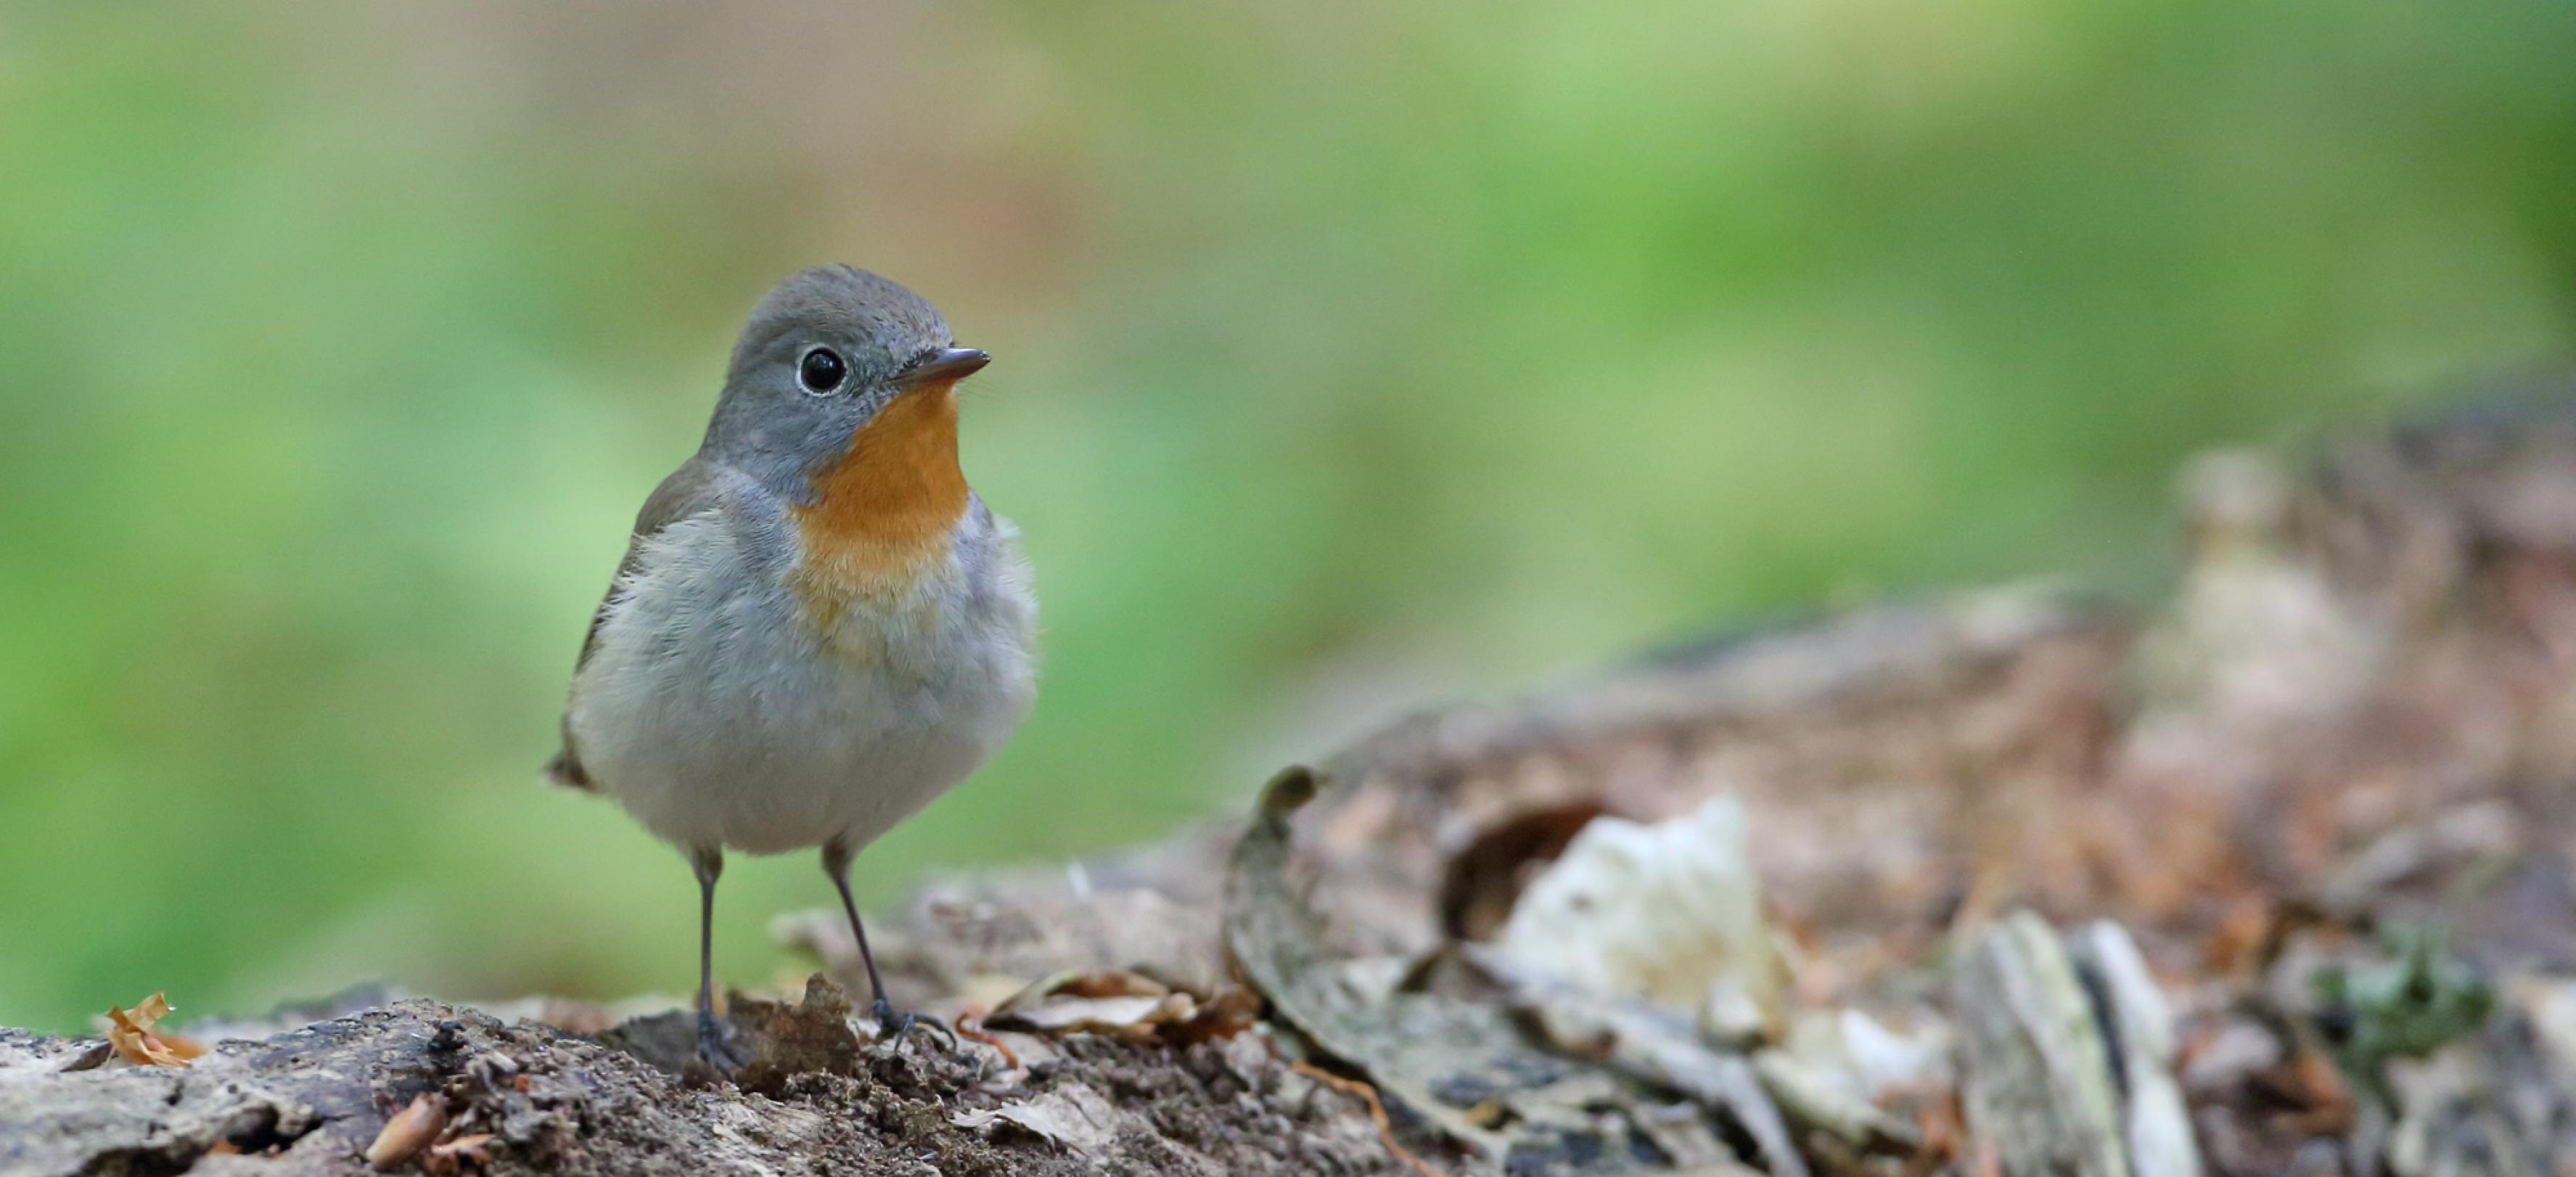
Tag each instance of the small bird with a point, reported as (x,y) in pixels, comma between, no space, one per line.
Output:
(818,627)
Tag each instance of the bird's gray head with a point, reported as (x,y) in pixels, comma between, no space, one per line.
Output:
(822,354)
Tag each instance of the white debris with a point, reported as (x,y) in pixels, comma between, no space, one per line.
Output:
(1073,1116)
(1669,912)
(1867,1059)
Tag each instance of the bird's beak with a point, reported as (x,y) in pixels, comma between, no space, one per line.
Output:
(946,366)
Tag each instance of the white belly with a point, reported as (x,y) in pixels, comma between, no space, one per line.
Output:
(720,717)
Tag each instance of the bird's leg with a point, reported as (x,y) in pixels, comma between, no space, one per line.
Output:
(709,864)
(836,863)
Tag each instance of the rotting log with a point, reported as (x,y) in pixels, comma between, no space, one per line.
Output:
(2271,876)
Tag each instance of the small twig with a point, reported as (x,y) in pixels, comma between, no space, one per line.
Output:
(1377,1112)
(988,1038)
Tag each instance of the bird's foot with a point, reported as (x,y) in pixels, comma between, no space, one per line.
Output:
(900,1024)
(713,1050)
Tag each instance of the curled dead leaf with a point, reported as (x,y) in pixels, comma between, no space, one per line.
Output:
(1101,983)
(130,1032)
(1067,1011)
(1232,1011)
(1081,1014)
(1081,999)
(1125,1004)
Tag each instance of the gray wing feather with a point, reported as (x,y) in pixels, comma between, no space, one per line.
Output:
(692,488)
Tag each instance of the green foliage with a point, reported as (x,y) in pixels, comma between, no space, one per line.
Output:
(1348,357)
(2406,1006)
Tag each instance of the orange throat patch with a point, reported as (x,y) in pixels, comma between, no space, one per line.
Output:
(882,515)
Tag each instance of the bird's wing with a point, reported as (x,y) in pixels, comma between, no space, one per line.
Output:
(692,488)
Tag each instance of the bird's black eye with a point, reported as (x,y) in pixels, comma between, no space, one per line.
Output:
(821,370)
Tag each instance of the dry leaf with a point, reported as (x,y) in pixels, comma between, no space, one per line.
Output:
(1096,1013)
(1104,983)
(1092,1000)
(1232,1011)
(1075,1117)
(1081,983)
(130,1032)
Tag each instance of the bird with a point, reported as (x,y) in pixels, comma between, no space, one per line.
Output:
(818,626)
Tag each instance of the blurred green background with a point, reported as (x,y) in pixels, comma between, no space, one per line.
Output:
(1350,356)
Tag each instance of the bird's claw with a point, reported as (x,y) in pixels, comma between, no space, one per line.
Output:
(901,1024)
(713,1050)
